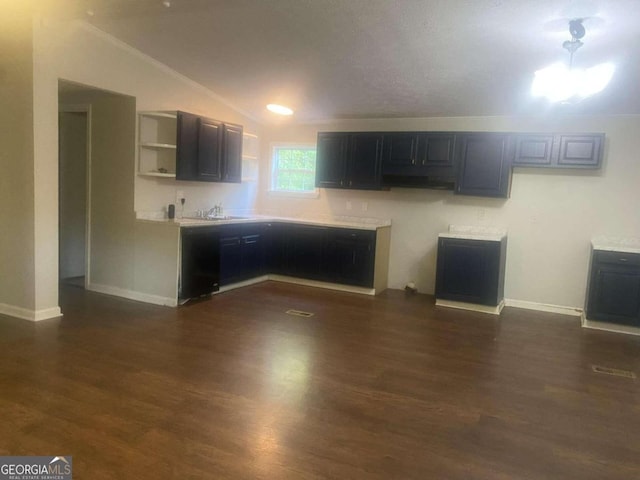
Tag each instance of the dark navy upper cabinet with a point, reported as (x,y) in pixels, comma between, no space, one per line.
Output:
(207,150)
(484,164)
(559,150)
(349,160)
(400,152)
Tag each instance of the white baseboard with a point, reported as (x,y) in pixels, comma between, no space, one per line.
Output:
(299,281)
(544,307)
(329,286)
(470,306)
(609,327)
(133,295)
(31,315)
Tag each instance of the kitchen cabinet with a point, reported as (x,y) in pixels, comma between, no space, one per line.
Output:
(471,271)
(208,150)
(276,239)
(419,159)
(241,252)
(200,262)
(233,253)
(484,164)
(349,160)
(559,150)
(232,153)
(349,257)
(614,288)
(417,153)
(305,251)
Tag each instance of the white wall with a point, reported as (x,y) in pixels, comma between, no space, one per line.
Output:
(550,217)
(17,264)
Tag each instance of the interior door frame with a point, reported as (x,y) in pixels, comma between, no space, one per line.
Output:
(82,108)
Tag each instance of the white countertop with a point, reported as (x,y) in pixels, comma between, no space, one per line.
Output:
(362,223)
(616,244)
(474,233)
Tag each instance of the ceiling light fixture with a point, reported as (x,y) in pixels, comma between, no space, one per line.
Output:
(559,83)
(279,109)
(166,3)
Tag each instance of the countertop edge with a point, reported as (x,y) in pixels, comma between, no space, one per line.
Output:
(249,220)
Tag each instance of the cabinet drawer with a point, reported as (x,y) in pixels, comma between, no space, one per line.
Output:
(616,258)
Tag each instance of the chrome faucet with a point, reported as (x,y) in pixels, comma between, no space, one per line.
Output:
(216,211)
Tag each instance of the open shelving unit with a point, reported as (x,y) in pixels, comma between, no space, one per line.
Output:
(157,134)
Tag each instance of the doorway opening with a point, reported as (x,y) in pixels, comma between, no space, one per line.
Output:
(73,228)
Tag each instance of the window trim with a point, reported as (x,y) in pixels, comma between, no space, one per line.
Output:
(315,193)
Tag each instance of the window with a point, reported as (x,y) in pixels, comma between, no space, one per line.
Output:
(294,169)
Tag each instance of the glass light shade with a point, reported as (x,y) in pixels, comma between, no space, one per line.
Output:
(558,83)
(279,109)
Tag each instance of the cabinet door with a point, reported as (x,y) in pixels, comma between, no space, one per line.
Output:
(305,251)
(252,254)
(200,262)
(484,165)
(187,146)
(400,151)
(350,257)
(331,160)
(230,256)
(275,240)
(436,150)
(579,151)
(364,161)
(468,271)
(614,288)
(533,150)
(209,150)
(232,154)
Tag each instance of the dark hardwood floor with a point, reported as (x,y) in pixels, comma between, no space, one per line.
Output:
(381,388)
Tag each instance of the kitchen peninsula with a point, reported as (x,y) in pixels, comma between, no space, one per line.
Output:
(209,255)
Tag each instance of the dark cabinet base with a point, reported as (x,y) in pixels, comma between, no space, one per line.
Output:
(613,294)
(471,272)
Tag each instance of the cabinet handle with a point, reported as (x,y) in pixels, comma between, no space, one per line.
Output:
(624,259)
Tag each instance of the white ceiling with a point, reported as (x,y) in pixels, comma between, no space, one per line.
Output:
(380,58)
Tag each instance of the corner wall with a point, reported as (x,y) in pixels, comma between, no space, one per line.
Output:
(79,53)
(551,215)
(17,210)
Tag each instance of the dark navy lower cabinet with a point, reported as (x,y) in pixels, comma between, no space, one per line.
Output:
(200,262)
(349,257)
(614,288)
(471,271)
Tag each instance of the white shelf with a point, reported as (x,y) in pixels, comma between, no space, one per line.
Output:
(158,145)
(160,114)
(157,134)
(157,174)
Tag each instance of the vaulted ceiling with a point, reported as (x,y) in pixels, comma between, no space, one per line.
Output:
(379,58)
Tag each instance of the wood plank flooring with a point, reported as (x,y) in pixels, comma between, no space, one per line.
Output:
(378,388)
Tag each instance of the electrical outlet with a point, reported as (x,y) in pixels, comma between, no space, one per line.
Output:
(365,206)
(482,213)
(348,205)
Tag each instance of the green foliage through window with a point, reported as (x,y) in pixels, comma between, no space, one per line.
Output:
(294,169)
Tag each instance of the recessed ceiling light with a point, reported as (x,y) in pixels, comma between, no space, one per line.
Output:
(166,3)
(279,109)
(90,13)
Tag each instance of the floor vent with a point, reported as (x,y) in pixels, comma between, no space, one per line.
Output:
(613,371)
(299,313)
